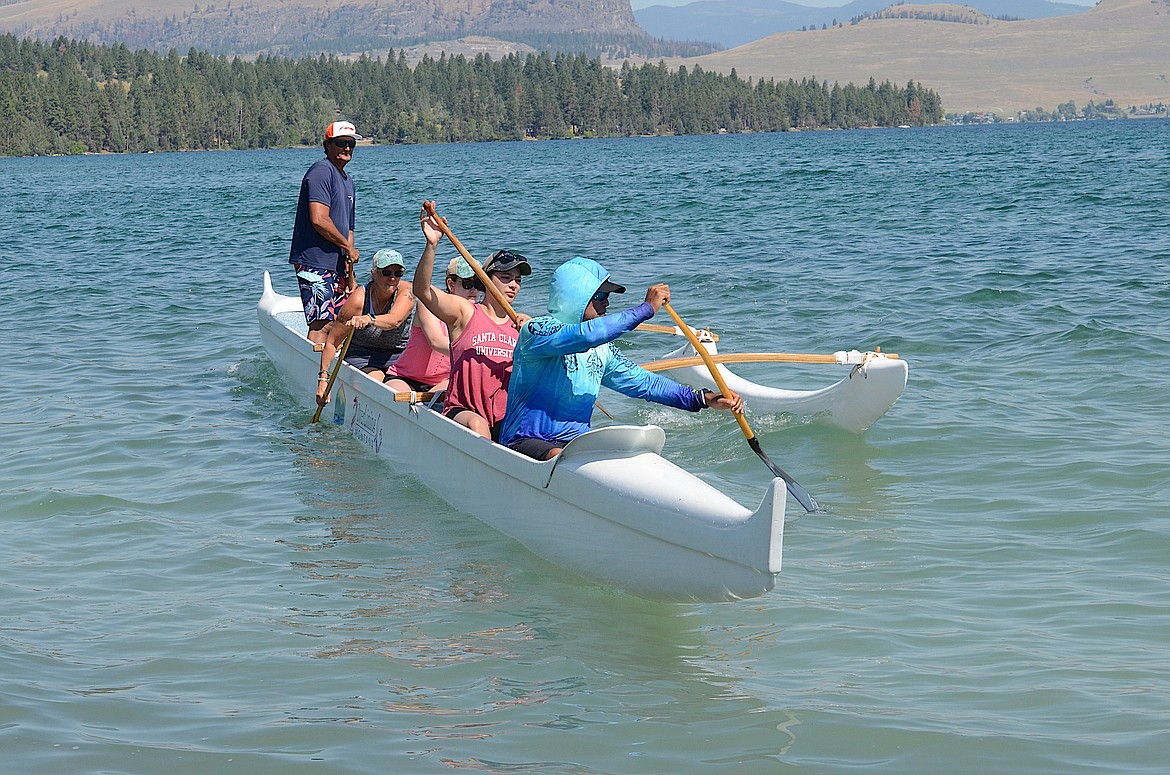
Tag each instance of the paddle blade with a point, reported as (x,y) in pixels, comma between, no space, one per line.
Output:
(802,496)
(339,406)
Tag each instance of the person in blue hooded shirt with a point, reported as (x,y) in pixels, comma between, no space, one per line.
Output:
(562,359)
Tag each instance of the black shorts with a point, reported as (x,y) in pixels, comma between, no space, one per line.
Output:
(413,384)
(450,410)
(372,359)
(536,449)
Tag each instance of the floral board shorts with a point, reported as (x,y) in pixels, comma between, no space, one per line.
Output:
(322,292)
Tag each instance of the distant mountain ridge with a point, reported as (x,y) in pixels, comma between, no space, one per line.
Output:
(731,23)
(307,26)
(1114,52)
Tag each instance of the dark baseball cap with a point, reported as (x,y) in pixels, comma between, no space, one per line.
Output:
(505,261)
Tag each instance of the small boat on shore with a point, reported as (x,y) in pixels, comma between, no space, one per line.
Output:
(853,403)
(609,508)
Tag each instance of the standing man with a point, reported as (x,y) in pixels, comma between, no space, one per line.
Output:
(562,359)
(323,253)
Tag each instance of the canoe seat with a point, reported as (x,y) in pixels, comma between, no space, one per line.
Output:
(617,438)
(416,397)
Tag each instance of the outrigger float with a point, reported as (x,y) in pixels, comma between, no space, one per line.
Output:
(853,403)
(609,508)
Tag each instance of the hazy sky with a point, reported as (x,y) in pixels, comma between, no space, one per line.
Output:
(814,3)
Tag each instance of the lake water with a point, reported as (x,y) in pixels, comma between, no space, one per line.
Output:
(196,580)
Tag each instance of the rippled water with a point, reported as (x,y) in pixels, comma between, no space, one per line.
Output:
(195,580)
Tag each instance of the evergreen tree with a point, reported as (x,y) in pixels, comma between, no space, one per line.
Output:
(68,96)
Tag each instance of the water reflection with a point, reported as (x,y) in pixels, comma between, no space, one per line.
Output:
(463,639)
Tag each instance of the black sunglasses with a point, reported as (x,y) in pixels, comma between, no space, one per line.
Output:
(599,297)
(344,143)
(468,283)
(502,258)
(391,272)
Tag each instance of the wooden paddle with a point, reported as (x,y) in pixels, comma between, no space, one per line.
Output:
(484,280)
(349,281)
(336,370)
(695,360)
(797,491)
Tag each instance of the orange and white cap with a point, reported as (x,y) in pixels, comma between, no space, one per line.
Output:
(341,129)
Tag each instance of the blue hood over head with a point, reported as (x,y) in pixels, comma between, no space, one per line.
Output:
(573,284)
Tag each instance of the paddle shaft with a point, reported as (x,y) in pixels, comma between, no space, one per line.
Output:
(797,491)
(484,280)
(344,348)
(336,371)
(715,375)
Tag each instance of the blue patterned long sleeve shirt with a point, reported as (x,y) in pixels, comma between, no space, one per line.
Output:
(559,368)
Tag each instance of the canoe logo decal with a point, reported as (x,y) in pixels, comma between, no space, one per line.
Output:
(366,426)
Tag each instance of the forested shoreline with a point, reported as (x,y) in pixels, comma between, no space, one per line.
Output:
(68,97)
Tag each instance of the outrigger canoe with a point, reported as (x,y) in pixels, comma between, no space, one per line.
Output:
(853,403)
(609,508)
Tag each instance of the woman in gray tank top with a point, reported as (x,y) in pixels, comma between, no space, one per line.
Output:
(379,314)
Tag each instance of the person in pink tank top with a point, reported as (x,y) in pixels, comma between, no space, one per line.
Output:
(425,364)
(482,336)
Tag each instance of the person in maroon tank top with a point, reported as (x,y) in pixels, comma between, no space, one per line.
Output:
(482,336)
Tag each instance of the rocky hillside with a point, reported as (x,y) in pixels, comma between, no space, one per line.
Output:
(300,27)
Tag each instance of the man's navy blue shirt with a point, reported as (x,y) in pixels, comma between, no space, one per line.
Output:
(328,185)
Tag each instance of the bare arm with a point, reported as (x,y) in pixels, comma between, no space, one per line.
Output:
(399,311)
(319,217)
(338,332)
(340,329)
(433,329)
(456,312)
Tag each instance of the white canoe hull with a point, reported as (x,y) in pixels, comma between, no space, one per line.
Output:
(609,508)
(853,403)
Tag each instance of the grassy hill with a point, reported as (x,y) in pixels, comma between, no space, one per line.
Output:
(731,23)
(300,27)
(1116,50)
